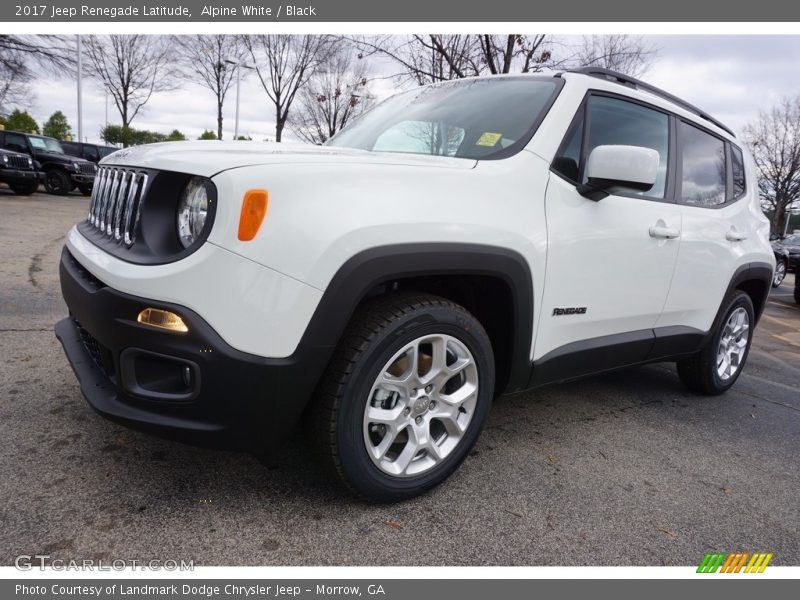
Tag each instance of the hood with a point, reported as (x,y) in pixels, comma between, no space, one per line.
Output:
(11,153)
(58,156)
(207,158)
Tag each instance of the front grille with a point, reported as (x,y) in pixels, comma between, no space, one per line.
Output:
(88,168)
(99,353)
(117,197)
(19,162)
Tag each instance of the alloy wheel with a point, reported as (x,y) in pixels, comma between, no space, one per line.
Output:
(733,344)
(420,405)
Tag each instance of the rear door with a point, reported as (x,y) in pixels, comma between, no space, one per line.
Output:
(609,262)
(716,226)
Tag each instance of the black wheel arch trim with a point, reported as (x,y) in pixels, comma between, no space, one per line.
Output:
(384,264)
(755,271)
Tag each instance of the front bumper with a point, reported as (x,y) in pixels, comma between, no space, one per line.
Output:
(131,373)
(82,178)
(19,175)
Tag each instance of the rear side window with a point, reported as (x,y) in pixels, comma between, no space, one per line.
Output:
(90,153)
(16,142)
(737,166)
(702,167)
(71,149)
(612,121)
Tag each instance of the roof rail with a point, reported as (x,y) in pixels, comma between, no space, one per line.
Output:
(626,80)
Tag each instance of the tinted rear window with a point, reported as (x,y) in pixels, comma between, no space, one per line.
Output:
(737,166)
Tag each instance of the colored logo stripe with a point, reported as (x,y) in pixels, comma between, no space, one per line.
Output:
(734,562)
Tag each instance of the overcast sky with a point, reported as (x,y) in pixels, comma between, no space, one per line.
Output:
(731,77)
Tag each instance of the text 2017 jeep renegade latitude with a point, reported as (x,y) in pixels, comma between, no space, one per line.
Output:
(457,241)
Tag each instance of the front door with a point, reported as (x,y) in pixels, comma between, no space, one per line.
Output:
(609,262)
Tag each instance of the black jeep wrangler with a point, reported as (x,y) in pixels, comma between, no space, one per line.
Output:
(92,152)
(62,173)
(20,172)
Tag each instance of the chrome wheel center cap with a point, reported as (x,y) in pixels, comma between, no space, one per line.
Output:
(420,406)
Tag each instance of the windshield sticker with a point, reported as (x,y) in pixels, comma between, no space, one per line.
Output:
(489,139)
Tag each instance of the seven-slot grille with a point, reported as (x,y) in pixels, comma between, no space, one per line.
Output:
(88,168)
(16,161)
(117,197)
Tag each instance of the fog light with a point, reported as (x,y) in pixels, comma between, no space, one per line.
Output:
(163,319)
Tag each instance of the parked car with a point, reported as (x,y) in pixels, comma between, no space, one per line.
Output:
(791,245)
(62,173)
(457,241)
(797,282)
(92,152)
(19,172)
(782,261)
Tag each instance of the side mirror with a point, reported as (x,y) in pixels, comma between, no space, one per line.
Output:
(630,166)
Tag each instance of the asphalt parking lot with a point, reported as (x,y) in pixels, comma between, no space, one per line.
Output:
(624,469)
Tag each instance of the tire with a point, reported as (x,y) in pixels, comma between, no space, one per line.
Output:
(797,291)
(780,273)
(24,189)
(705,372)
(428,435)
(57,182)
(86,190)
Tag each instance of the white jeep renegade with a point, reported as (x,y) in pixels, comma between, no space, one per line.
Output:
(456,242)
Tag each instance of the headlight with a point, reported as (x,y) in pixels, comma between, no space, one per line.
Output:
(192,211)
(76,166)
(30,161)
(5,159)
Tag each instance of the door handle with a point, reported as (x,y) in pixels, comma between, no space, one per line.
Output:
(660,231)
(735,236)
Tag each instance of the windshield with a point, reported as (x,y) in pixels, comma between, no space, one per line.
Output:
(46,143)
(792,240)
(474,118)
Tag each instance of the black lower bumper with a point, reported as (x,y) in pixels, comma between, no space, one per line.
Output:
(81,179)
(191,386)
(20,176)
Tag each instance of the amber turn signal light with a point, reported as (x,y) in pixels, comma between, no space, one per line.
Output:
(254,209)
(163,319)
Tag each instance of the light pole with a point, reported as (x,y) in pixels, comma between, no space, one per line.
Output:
(80,95)
(238,66)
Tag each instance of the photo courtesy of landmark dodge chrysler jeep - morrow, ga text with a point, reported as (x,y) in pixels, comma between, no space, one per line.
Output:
(456,242)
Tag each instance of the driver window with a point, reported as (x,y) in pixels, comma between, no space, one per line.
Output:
(617,122)
(614,122)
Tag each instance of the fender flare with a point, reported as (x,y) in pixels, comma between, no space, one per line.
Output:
(370,268)
(754,271)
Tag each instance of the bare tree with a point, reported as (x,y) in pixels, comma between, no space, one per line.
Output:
(774,139)
(626,54)
(284,63)
(50,51)
(14,86)
(203,59)
(435,57)
(515,53)
(132,68)
(20,54)
(333,96)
